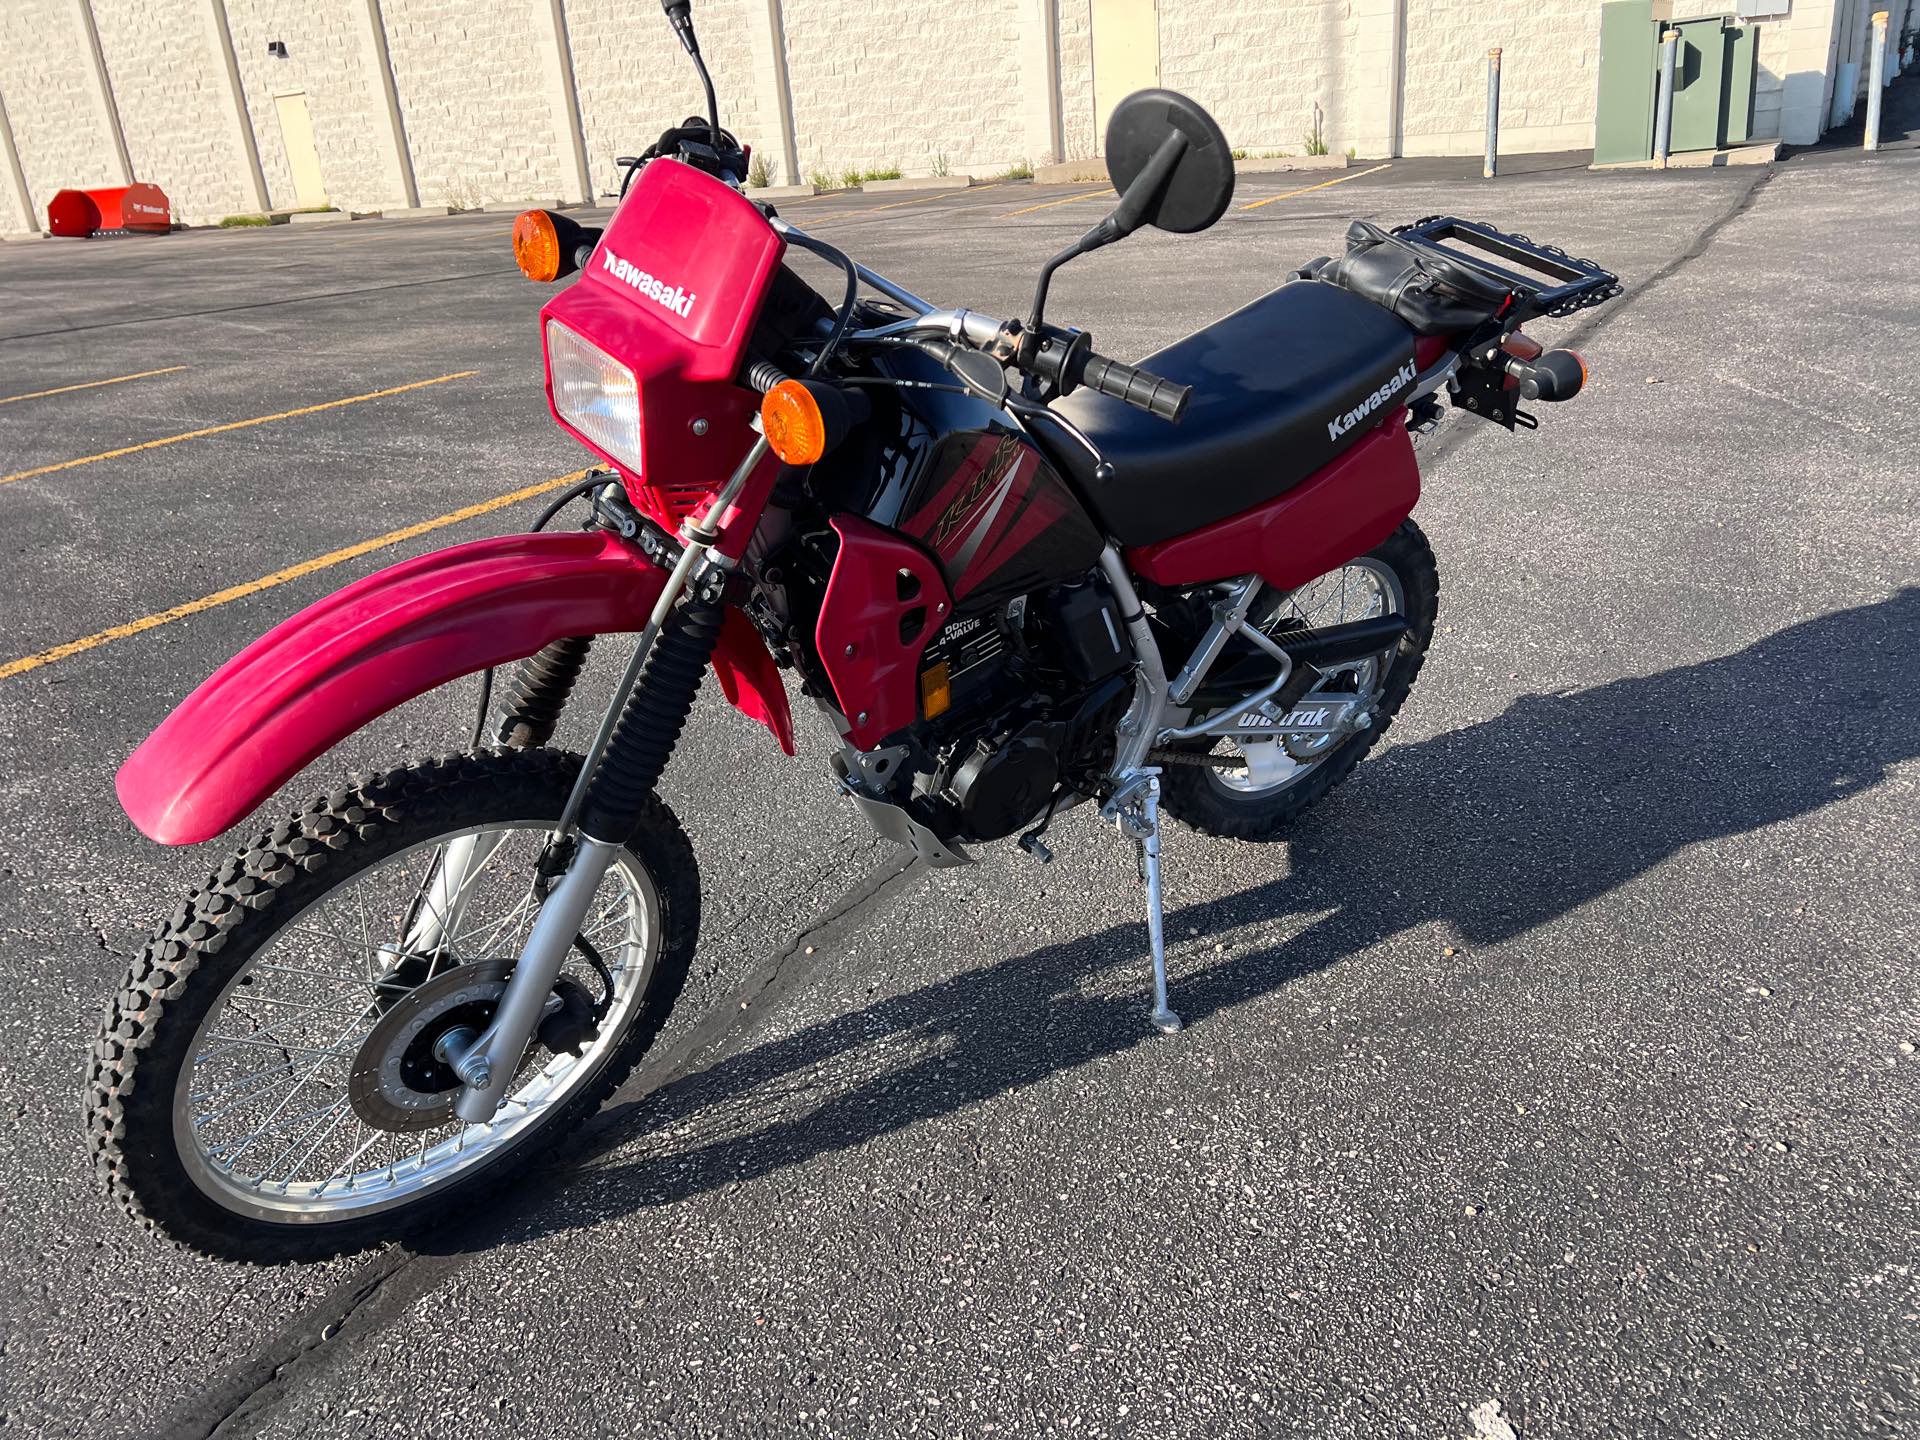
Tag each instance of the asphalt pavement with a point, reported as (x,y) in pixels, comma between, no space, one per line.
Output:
(1555,1079)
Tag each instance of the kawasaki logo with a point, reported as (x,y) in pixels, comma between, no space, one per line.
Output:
(1340,426)
(671,296)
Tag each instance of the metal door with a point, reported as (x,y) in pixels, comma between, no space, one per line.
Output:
(303,157)
(1126,55)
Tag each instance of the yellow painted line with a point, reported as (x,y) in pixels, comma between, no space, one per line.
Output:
(88,385)
(1304,189)
(954,194)
(232,425)
(281,577)
(1088,195)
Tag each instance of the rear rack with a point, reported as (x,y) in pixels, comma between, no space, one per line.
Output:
(1581,283)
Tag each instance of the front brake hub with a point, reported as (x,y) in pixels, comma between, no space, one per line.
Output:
(397,1081)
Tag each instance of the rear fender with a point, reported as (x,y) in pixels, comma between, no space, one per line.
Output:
(318,677)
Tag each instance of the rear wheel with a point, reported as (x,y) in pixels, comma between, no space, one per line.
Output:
(270,1084)
(1253,790)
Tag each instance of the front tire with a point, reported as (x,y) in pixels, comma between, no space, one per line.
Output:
(1236,804)
(156,1100)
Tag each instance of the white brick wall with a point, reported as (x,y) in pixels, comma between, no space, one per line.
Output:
(170,85)
(1549,74)
(478,118)
(329,61)
(50,106)
(899,82)
(634,80)
(1262,65)
(873,84)
(1075,20)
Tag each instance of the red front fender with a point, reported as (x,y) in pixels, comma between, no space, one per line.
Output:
(316,678)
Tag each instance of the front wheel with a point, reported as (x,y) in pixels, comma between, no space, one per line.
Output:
(1253,790)
(271,1083)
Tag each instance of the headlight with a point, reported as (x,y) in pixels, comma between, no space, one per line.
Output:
(595,394)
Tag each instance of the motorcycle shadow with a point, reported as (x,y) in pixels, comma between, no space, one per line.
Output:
(1492,829)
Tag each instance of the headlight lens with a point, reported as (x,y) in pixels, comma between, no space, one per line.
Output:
(595,393)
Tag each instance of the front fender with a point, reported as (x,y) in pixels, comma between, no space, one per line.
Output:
(316,678)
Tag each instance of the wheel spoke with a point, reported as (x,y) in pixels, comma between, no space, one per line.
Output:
(265,1113)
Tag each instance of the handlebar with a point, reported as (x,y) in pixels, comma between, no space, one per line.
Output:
(1069,367)
(1139,388)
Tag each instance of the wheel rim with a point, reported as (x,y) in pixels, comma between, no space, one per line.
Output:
(1365,589)
(262,1113)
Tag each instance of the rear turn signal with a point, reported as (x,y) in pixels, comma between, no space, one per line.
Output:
(790,418)
(536,246)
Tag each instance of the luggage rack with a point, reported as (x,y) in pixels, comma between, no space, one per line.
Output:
(1580,285)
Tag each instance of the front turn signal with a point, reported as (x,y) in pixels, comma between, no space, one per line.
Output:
(536,246)
(791,419)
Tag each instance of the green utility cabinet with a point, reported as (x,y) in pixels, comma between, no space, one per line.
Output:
(1713,81)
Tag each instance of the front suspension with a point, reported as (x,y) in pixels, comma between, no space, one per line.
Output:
(651,723)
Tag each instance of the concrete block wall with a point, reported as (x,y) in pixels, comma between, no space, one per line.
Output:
(1261,67)
(903,82)
(170,85)
(485,111)
(635,81)
(478,118)
(56,125)
(1549,75)
(329,60)
(1074,19)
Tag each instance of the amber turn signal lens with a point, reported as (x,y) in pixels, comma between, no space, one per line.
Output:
(1522,347)
(936,690)
(536,246)
(790,418)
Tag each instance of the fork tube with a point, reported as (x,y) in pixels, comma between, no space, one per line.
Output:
(700,539)
(487,1067)
(443,907)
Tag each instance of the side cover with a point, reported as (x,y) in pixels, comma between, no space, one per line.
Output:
(885,600)
(318,677)
(1344,510)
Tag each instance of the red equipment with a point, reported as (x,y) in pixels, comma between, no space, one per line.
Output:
(137,207)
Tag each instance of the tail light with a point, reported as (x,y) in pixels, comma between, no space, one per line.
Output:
(595,394)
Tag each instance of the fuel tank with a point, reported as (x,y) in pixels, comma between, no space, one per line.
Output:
(952,473)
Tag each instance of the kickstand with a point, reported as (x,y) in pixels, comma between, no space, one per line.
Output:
(1135,809)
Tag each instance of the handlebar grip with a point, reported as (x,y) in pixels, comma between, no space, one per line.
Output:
(1139,388)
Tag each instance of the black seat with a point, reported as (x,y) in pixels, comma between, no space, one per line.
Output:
(1279,388)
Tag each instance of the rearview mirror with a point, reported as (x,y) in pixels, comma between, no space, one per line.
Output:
(1170,162)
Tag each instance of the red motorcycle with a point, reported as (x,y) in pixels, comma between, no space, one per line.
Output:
(1014,575)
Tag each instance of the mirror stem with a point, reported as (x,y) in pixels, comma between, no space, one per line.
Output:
(1105,233)
(680,13)
(1125,218)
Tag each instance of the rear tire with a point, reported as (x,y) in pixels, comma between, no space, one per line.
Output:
(141,1065)
(1196,795)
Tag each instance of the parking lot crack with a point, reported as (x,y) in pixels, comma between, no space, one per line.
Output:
(379,1290)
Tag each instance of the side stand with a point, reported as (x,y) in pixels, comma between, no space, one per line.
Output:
(1135,810)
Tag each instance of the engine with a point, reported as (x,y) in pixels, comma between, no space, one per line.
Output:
(1021,701)
(1018,700)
